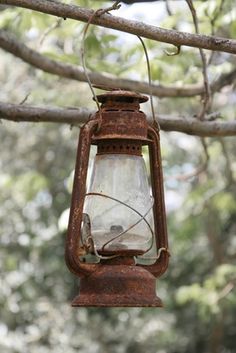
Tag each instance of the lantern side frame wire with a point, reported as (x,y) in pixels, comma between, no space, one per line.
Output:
(72,251)
(161,264)
(142,218)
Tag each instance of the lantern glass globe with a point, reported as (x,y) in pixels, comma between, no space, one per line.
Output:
(118,197)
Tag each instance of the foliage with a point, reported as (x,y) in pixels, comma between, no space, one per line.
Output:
(37,161)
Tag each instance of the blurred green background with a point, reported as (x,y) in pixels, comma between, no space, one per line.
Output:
(37,162)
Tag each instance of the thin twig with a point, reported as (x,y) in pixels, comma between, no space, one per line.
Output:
(215,16)
(229,172)
(205,148)
(207,96)
(49,30)
(185,177)
(25,98)
(212,22)
(168,9)
(213,116)
(115,6)
(226,290)
(196,172)
(206,154)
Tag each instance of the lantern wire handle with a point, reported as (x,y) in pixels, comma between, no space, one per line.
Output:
(100,12)
(82,50)
(155,121)
(142,218)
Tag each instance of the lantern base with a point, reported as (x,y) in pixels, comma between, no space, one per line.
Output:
(118,286)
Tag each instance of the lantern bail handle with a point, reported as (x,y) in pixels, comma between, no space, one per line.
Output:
(97,13)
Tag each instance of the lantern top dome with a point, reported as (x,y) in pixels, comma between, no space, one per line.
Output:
(122,96)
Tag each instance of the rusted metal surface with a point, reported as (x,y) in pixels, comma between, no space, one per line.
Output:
(73,249)
(122,125)
(121,118)
(119,146)
(160,266)
(122,96)
(118,286)
(118,125)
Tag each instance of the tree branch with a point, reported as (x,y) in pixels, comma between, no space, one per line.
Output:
(11,44)
(141,29)
(207,94)
(76,116)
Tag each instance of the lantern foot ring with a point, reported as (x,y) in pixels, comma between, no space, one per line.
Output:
(118,286)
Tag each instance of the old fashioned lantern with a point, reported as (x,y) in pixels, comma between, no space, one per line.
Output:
(117,238)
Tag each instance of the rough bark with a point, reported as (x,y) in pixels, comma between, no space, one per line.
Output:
(75,116)
(174,37)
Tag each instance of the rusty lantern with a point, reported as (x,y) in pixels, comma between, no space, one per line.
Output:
(117,238)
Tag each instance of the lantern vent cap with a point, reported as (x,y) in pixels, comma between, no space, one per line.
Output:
(121,96)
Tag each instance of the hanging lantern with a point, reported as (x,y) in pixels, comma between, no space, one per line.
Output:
(117,238)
